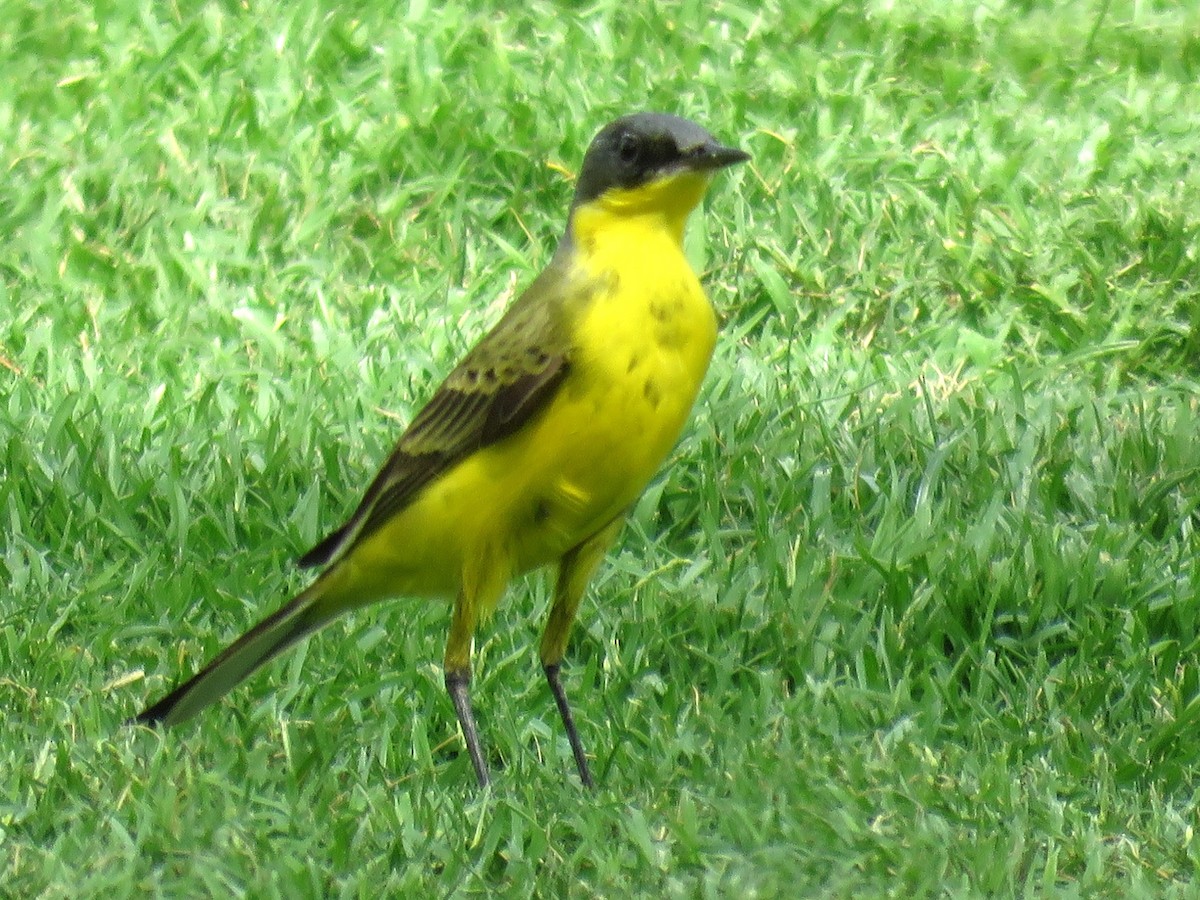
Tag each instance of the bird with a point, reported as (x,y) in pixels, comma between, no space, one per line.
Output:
(535,445)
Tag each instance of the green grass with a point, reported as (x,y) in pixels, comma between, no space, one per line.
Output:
(913,609)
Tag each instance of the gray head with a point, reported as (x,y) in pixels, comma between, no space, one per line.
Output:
(643,147)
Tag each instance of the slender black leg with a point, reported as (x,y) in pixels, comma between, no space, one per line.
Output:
(574,570)
(457,683)
(564,710)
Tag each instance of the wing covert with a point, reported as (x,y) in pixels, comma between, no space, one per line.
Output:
(505,380)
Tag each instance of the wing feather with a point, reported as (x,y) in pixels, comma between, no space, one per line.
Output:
(505,380)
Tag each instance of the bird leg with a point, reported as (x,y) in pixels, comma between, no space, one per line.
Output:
(457,682)
(457,666)
(564,710)
(574,570)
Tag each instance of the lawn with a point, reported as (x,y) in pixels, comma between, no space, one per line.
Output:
(912,609)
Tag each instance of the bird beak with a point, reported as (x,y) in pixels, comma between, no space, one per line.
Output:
(710,157)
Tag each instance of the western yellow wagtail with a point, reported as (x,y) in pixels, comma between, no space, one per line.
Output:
(534,446)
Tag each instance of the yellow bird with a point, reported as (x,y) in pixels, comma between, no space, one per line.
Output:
(532,449)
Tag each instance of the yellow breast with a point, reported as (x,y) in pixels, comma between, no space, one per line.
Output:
(641,340)
(641,346)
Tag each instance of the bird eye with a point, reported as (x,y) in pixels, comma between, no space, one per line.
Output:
(628,148)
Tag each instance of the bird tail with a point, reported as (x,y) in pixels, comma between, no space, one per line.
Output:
(262,643)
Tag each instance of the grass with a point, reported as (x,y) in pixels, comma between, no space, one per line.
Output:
(912,611)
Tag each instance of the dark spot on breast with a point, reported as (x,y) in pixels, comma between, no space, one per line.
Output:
(651,392)
(541,511)
(634,362)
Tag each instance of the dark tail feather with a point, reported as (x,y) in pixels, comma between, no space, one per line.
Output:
(270,637)
(323,552)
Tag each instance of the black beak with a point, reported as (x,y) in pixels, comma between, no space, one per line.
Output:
(709,157)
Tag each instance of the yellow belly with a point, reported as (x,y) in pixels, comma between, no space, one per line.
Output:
(641,346)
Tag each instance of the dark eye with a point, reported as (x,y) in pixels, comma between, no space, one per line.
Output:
(628,148)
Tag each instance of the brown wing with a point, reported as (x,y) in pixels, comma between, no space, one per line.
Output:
(504,380)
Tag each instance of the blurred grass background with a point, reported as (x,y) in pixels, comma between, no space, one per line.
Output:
(912,611)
